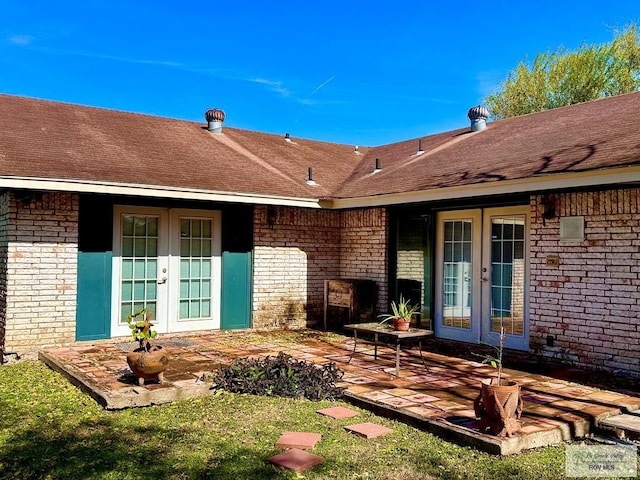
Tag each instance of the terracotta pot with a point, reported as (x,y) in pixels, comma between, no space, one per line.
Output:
(499,407)
(401,324)
(148,365)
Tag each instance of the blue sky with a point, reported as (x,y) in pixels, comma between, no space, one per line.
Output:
(355,72)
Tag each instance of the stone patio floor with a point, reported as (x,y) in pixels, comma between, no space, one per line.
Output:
(436,396)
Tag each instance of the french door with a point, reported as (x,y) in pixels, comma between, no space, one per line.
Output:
(482,276)
(168,261)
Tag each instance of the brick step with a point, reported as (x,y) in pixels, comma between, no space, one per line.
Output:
(625,426)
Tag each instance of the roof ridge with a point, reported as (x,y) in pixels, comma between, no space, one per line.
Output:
(225,140)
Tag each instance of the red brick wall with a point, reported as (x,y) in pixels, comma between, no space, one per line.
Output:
(590,303)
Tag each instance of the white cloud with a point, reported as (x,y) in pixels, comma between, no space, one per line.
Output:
(21,40)
(275,86)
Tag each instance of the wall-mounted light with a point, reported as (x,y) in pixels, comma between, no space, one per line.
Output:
(272,216)
(548,203)
(25,197)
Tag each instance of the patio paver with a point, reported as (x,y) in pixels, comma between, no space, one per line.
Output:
(439,399)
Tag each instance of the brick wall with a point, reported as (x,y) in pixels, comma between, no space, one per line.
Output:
(38,269)
(5,209)
(291,260)
(363,248)
(304,247)
(589,305)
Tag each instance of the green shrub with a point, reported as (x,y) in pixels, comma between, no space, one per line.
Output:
(280,376)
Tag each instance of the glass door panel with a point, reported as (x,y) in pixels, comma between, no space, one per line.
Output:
(413,266)
(139,266)
(457,302)
(196,259)
(195,271)
(506,261)
(457,273)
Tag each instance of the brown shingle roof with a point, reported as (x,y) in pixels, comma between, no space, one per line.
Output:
(590,136)
(51,140)
(54,140)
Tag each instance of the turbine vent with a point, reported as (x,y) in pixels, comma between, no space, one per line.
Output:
(478,116)
(214,117)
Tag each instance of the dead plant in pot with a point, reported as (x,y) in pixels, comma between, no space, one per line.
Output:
(147,362)
(499,404)
(401,314)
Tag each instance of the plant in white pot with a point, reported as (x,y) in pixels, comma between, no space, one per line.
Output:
(499,403)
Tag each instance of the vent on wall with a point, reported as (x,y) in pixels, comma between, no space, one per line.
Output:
(572,229)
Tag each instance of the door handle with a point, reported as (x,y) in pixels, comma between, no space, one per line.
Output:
(163,280)
(484,279)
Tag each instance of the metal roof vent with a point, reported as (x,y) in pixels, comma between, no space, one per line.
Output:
(478,116)
(214,117)
(309,179)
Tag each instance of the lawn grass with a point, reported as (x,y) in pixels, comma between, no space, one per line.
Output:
(50,430)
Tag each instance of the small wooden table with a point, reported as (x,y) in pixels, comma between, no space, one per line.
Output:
(378,329)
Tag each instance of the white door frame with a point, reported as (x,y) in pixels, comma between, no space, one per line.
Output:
(212,322)
(480,315)
(443,331)
(519,342)
(168,269)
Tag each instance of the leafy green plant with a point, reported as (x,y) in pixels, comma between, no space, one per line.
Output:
(141,331)
(402,309)
(280,376)
(495,360)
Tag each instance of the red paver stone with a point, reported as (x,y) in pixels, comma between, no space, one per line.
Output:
(398,402)
(298,440)
(338,412)
(421,398)
(296,460)
(368,430)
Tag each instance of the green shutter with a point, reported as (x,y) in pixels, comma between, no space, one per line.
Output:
(93,314)
(236,290)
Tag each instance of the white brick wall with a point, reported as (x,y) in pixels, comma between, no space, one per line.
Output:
(38,269)
(590,303)
(305,247)
(363,248)
(291,260)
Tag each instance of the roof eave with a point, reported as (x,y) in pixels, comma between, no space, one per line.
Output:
(154,191)
(605,177)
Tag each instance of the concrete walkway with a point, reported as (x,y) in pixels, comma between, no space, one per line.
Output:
(436,396)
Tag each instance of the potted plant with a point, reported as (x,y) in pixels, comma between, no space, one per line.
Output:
(147,362)
(499,404)
(401,314)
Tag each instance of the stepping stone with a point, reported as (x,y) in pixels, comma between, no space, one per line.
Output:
(298,440)
(338,412)
(296,460)
(368,430)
